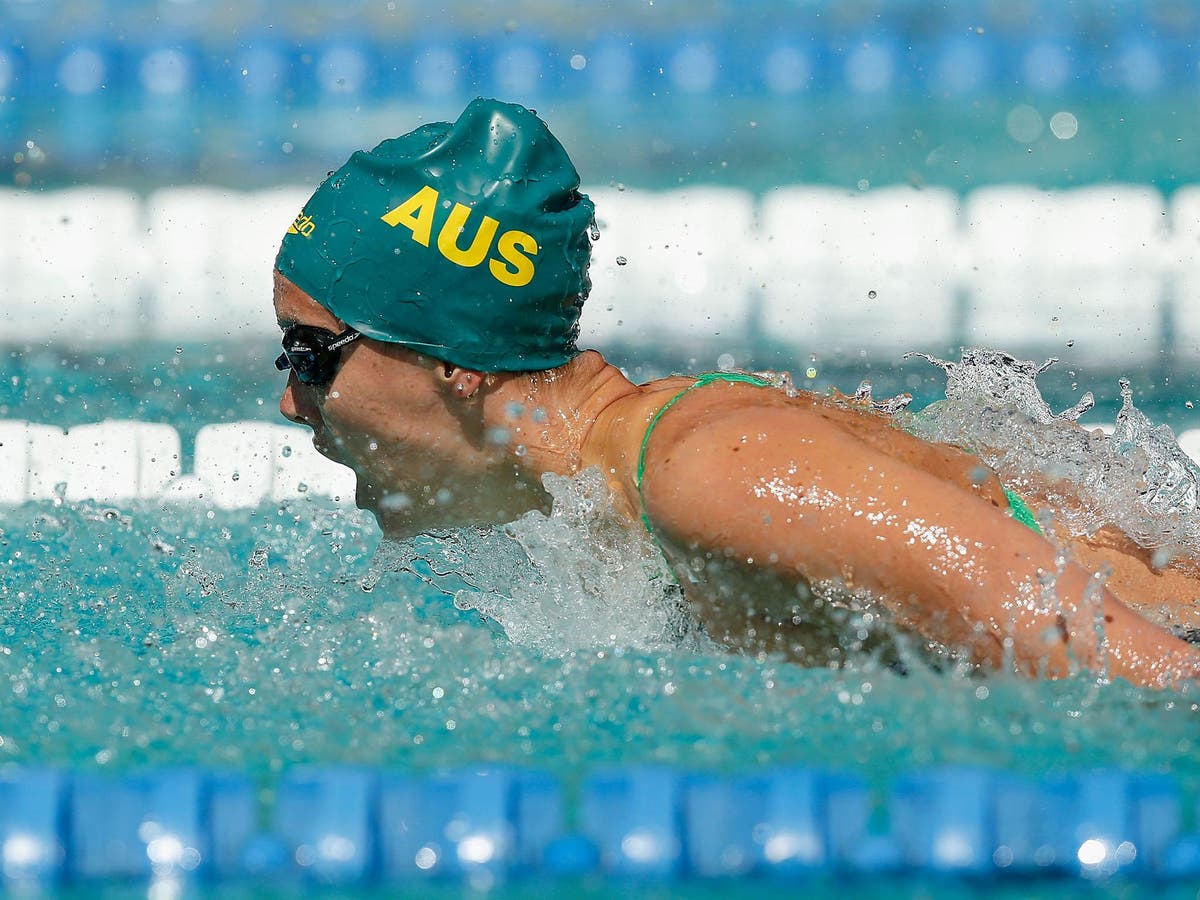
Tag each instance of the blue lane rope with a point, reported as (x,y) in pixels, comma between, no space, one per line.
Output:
(362,827)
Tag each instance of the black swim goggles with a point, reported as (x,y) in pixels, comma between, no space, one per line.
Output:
(313,353)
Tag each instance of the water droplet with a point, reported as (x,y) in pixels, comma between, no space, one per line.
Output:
(286,451)
(236,476)
(1070,343)
(520,450)
(725,362)
(302,488)
(178,349)
(871,295)
(621,261)
(810,372)
(1189,404)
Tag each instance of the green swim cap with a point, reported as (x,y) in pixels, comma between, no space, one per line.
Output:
(467,241)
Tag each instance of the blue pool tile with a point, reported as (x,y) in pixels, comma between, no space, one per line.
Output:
(1121,822)
(138,826)
(942,820)
(539,817)
(1026,817)
(633,817)
(233,820)
(793,825)
(720,818)
(471,822)
(571,855)
(32,823)
(326,819)
(1181,859)
(847,812)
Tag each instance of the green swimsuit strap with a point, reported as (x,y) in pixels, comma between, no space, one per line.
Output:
(701,381)
(1021,511)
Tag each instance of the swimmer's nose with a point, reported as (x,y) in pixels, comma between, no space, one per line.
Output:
(295,404)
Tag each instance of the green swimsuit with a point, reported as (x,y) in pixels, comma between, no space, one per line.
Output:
(1019,508)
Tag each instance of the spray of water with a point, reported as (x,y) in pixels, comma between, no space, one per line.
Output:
(576,579)
(1137,479)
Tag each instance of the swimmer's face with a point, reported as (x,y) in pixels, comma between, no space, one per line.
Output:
(389,415)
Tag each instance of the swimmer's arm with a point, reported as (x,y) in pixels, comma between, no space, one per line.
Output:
(797,492)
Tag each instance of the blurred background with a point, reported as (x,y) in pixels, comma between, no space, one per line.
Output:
(803,184)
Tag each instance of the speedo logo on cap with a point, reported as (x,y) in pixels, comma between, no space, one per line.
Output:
(304,225)
(514,267)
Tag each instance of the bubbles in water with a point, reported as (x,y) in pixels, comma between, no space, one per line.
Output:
(1064,125)
(395,502)
(1024,124)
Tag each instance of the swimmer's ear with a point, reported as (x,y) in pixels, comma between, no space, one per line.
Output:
(464,383)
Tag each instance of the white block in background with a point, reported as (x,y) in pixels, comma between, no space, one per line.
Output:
(14,458)
(1109,226)
(73,265)
(212,252)
(687,265)
(104,461)
(1184,272)
(246,463)
(1084,266)
(1189,443)
(874,270)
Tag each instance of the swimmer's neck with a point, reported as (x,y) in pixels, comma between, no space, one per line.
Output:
(585,414)
(555,419)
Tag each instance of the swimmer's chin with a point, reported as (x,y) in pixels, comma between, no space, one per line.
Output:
(394,512)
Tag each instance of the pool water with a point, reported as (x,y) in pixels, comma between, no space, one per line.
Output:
(153,633)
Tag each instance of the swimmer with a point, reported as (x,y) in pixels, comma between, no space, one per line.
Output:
(429,295)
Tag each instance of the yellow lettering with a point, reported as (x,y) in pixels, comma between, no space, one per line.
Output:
(519,271)
(455,225)
(416,214)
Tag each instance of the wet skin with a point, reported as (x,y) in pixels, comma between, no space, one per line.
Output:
(779,490)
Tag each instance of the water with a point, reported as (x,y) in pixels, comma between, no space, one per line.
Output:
(259,639)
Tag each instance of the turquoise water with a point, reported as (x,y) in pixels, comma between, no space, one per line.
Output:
(151,633)
(146,634)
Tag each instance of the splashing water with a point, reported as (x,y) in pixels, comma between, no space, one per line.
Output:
(576,579)
(1137,479)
